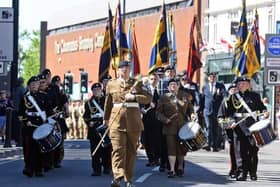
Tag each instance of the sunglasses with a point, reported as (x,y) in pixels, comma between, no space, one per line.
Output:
(184,79)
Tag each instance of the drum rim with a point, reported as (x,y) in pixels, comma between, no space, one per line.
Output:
(33,135)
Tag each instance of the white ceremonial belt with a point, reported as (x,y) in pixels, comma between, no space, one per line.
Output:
(33,113)
(241,115)
(128,105)
(96,115)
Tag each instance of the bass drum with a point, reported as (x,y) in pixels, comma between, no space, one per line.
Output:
(48,137)
(192,136)
(262,132)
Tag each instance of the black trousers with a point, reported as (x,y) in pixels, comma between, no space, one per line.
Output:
(32,154)
(249,155)
(102,157)
(152,139)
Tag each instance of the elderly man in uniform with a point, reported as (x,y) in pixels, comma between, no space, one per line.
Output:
(173,110)
(122,115)
(244,105)
(93,117)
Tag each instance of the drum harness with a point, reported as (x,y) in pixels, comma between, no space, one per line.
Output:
(41,113)
(252,114)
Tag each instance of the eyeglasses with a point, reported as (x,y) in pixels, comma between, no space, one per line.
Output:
(153,79)
(184,79)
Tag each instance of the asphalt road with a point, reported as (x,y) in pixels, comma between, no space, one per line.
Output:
(202,169)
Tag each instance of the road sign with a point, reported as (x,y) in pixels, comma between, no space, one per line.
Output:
(6,34)
(272,59)
(273,45)
(273,76)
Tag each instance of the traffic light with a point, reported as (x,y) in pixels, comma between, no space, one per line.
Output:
(84,82)
(68,83)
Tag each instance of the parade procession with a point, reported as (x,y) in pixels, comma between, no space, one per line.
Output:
(127,100)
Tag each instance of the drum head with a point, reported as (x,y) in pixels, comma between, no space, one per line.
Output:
(42,131)
(259,125)
(189,130)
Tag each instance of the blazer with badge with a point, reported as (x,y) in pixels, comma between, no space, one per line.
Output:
(176,108)
(211,101)
(123,116)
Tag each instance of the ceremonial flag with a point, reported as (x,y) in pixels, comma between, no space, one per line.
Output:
(109,49)
(241,36)
(249,62)
(160,49)
(120,37)
(134,56)
(194,62)
(171,35)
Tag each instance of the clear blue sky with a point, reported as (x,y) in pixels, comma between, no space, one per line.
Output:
(62,12)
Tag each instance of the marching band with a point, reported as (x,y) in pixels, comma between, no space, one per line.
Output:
(168,108)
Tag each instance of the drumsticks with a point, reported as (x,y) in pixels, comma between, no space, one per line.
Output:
(237,123)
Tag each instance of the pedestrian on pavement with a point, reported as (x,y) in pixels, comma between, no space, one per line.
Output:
(122,115)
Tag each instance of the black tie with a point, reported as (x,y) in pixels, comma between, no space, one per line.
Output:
(155,96)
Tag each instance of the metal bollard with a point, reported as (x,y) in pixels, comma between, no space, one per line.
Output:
(8,137)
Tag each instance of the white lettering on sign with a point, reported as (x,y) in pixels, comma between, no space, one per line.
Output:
(86,44)
(83,44)
(99,41)
(70,46)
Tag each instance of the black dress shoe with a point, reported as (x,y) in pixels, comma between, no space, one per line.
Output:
(161,169)
(39,174)
(129,184)
(171,174)
(207,148)
(57,166)
(115,183)
(180,173)
(150,164)
(254,177)
(27,173)
(232,174)
(241,177)
(106,171)
(215,150)
(95,174)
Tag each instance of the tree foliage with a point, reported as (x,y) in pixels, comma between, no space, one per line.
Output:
(29,54)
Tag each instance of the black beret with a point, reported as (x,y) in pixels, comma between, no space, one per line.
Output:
(20,80)
(182,73)
(96,85)
(233,85)
(173,80)
(42,77)
(46,72)
(158,70)
(168,67)
(107,77)
(211,73)
(32,79)
(242,78)
(55,79)
(123,64)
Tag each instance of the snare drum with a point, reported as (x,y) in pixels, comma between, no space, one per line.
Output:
(262,132)
(192,136)
(48,137)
